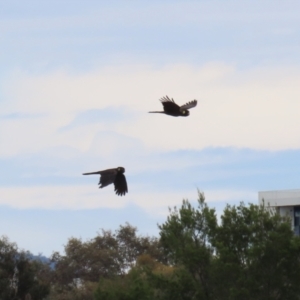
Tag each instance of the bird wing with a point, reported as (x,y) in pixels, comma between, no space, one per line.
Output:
(188,105)
(169,105)
(120,184)
(106,176)
(106,179)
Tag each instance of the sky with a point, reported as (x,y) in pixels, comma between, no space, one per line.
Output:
(78,78)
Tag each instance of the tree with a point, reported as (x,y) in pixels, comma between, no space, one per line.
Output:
(187,255)
(185,238)
(140,283)
(20,275)
(108,255)
(251,254)
(257,255)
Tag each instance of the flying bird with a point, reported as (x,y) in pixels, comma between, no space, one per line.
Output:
(114,176)
(172,109)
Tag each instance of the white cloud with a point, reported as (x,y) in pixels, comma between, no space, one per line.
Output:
(84,197)
(60,197)
(91,197)
(255,108)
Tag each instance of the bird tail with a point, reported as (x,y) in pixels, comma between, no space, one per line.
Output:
(156,112)
(92,173)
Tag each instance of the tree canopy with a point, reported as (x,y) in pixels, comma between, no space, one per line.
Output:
(21,276)
(250,252)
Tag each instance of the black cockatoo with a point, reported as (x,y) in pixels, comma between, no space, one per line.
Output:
(115,176)
(172,109)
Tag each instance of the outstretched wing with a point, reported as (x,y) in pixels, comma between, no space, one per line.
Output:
(120,184)
(106,177)
(188,105)
(169,105)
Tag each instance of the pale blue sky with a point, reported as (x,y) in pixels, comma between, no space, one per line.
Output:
(77,79)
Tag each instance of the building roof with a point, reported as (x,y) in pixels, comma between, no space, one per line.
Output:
(280,198)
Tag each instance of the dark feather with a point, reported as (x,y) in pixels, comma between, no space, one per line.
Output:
(189,105)
(110,176)
(172,109)
(106,179)
(120,185)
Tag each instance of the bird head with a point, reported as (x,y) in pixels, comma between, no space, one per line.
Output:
(185,113)
(121,170)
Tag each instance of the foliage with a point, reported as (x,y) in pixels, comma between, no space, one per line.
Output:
(20,276)
(138,283)
(185,239)
(251,254)
(108,255)
(257,253)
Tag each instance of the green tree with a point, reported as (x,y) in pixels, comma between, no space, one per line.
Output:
(108,255)
(257,255)
(20,274)
(251,254)
(185,237)
(139,283)
(187,255)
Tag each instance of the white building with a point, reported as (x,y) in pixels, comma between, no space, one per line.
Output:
(287,203)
